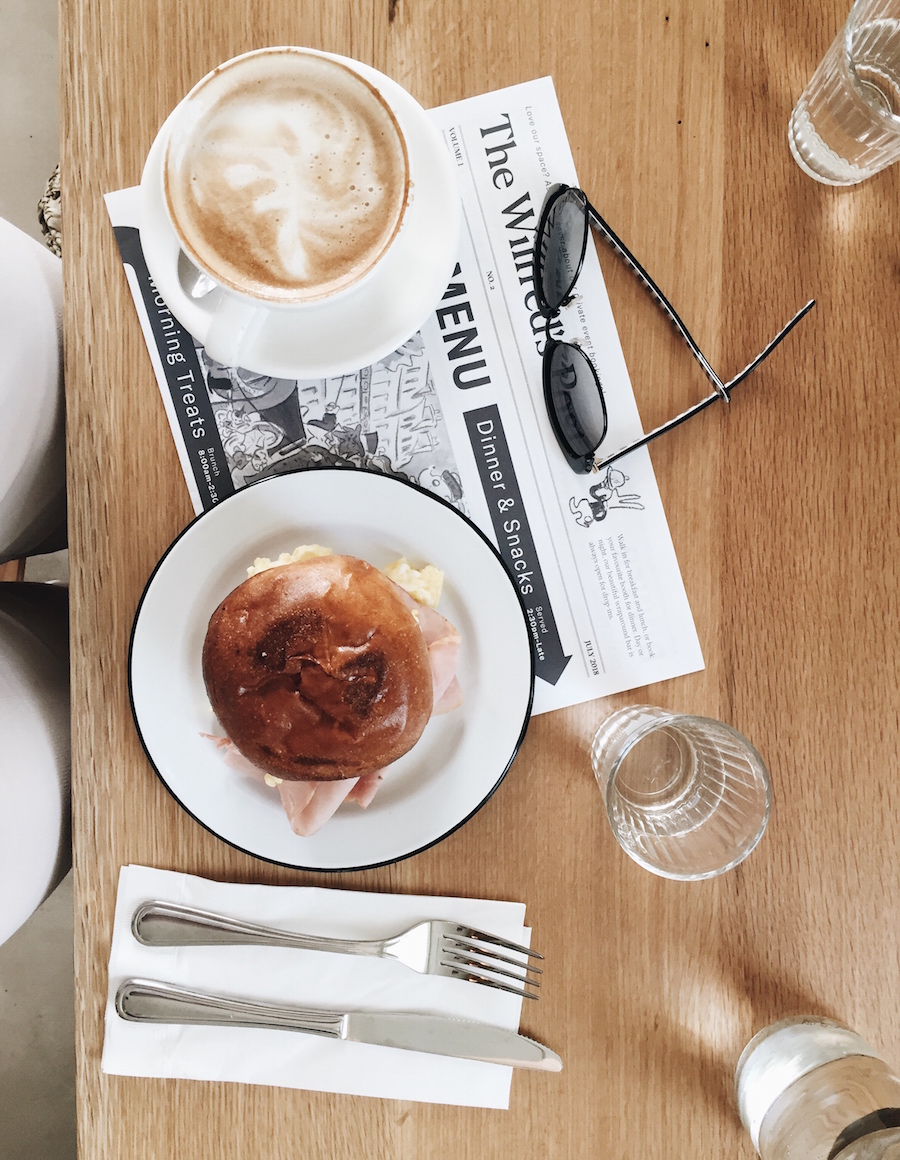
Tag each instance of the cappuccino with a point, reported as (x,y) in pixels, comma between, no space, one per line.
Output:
(286,176)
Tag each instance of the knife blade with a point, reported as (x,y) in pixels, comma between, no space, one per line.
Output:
(148,1001)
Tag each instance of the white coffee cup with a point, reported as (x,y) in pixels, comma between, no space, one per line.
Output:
(234,182)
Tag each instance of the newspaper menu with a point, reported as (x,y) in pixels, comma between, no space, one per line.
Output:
(459,410)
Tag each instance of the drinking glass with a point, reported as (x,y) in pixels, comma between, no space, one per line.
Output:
(846,125)
(687,797)
(810,1087)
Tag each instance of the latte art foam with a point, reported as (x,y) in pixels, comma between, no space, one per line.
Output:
(291,179)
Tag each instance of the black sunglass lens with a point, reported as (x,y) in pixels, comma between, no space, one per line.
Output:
(561,250)
(575,401)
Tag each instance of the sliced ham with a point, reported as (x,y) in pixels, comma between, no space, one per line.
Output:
(309,804)
(234,759)
(443,643)
(295,797)
(366,787)
(451,698)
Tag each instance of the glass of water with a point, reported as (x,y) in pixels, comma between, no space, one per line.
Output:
(687,797)
(846,125)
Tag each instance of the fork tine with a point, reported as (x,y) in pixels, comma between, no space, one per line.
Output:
(472,976)
(495,940)
(490,968)
(469,945)
(483,971)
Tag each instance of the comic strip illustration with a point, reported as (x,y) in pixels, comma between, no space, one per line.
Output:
(385,417)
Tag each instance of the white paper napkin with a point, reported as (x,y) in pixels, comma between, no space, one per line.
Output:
(310,979)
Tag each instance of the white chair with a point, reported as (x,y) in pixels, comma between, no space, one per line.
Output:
(35,812)
(32,446)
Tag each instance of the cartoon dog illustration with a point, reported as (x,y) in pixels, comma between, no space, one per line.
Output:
(604,496)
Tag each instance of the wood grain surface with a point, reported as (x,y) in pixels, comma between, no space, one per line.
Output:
(783,511)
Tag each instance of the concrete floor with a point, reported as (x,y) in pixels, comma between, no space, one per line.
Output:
(37,1068)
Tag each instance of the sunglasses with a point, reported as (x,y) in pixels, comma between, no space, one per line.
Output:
(572,389)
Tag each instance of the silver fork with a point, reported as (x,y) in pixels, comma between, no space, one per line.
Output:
(435,947)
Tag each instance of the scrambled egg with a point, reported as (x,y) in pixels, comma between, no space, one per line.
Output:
(422,584)
(304,552)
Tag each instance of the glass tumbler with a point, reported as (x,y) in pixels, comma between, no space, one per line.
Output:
(809,1088)
(846,125)
(687,797)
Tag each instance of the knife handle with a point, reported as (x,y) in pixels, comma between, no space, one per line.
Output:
(145,1001)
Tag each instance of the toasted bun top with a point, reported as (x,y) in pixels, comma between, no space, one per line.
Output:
(318,670)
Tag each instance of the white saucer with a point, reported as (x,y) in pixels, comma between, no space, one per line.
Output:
(462,756)
(365,324)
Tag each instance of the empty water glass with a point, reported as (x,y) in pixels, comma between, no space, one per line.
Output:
(846,125)
(687,797)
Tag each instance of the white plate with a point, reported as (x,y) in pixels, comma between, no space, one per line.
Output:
(461,757)
(364,325)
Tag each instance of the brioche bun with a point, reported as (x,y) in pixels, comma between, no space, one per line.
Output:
(318,671)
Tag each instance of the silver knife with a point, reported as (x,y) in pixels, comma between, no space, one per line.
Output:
(146,1001)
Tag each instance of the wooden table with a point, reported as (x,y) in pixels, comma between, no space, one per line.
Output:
(784,517)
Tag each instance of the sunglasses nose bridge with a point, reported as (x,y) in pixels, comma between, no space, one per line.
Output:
(553,327)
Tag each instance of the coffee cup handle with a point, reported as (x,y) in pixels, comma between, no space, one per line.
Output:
(233,329)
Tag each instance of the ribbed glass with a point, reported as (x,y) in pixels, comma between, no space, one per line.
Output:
(687,797)
(846,125)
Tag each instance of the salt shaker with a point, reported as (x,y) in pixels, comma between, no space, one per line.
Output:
(811,1089)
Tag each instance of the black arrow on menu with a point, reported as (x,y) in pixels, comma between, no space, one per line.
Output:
(515,541)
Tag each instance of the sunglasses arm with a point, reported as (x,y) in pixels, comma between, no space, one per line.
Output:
(599,464)
(764,354)
(619,248)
